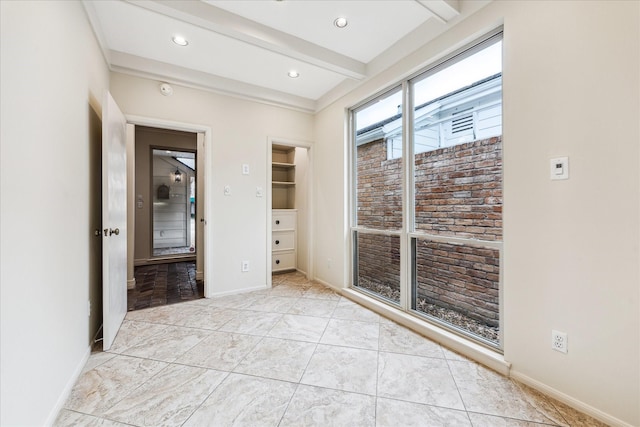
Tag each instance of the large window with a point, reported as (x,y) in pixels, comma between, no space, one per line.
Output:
(378,197)
(427,220)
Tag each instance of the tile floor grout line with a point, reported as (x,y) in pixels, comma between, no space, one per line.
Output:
(206,398)
(324,387)
(515,419)
(464,405)
(246,355)
(168,364)
(284,413)
(304,371)
(375,407)
(547,399)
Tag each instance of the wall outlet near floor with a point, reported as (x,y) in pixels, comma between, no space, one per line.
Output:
(559,341)
(245,266)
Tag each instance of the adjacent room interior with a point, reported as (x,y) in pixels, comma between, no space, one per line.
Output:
(167,232)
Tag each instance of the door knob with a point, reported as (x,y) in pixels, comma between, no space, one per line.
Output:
(97,232)
(116,231)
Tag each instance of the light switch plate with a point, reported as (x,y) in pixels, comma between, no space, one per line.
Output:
(245,169)
(559,168)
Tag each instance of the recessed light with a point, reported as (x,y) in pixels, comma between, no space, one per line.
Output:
(294,74)
(341,22)
(180,41)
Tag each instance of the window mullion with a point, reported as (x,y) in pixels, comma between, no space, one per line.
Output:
(408,200)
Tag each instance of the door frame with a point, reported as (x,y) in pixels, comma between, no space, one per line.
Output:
(206,182)
(309,207)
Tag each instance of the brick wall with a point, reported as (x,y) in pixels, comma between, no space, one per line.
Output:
(459,190)
(379,263)
(460,277)
(379,188)
(458,193)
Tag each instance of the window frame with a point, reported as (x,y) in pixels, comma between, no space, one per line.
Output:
(409,235)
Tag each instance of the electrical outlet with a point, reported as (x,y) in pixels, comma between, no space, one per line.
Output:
(559,341)
(245,266)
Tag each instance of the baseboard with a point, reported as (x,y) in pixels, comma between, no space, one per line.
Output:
(568,400)
(131,283)
(329,285)
(163,260)
(66,392)
(240,291)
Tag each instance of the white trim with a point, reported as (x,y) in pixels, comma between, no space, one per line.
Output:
(238,291)
(570,401)
(329,285)
(208,183)
(309,208)
(66,391)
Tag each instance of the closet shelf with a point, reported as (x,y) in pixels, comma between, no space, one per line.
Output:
(283,165)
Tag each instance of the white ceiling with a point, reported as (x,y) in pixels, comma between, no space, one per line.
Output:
(246,47)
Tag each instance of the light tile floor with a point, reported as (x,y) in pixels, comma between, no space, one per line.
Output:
(295,355)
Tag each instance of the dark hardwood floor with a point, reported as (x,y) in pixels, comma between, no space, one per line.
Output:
(162,284)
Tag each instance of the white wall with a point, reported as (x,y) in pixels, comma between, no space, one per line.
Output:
(571,247)
(239,136)
(51,69)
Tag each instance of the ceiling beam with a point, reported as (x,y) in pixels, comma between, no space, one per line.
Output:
(443,10)
(161,71)
(231,25)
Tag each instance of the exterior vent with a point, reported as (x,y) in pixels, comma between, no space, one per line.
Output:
(462,123)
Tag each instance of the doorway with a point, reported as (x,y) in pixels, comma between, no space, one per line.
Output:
(169,217)
(166,201)
(290,239)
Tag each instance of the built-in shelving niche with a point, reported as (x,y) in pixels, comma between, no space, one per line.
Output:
(283,177)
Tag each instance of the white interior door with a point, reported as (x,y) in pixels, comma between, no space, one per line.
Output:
(114,219)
